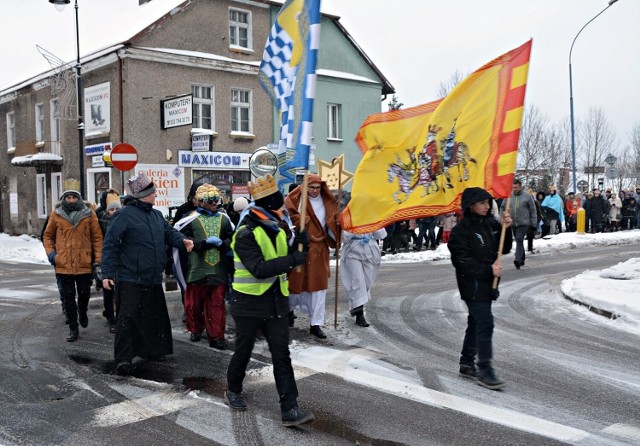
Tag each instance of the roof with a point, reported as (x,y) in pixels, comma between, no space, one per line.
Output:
(387,88)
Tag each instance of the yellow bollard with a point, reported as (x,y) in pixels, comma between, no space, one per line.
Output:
(581,221)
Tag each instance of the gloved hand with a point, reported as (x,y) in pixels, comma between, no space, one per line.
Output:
(299,257)
(301,238)
(51,257)
(213,240)
(563,227)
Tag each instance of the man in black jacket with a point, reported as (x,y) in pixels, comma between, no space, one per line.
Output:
(474,244)
(263,255)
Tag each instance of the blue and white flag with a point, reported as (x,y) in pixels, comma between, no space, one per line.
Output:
(288,74)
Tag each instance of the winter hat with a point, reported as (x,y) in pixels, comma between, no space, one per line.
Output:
(113,205)
(112,200)
(473,195)
(141,186)
(240,204)
(71,187)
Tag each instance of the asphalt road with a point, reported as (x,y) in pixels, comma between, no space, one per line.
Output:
(572,376)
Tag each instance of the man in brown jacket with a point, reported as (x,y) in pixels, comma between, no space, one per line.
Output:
(308,284)
(73,243)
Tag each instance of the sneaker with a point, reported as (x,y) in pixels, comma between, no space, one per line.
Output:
(234,400)
(218,344)
(84,319)
(295,417)
(73,335)
(469,371)
(487,378)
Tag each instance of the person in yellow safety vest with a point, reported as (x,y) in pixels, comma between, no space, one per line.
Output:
(265,250)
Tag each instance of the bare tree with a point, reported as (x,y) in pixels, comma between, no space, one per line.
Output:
(628,162)
(445,87)
(531,146)
(597,140)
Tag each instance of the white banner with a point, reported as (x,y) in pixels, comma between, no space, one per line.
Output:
(97,110)
(169,182)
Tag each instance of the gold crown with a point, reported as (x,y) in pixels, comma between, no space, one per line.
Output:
(263,187)
(208,192)
(71,184)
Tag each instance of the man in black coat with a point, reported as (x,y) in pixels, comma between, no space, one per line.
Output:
(474,244)
(133,260)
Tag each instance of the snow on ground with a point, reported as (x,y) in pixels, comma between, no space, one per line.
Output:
(615,290)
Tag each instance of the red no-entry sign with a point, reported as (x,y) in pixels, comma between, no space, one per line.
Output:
(124,157)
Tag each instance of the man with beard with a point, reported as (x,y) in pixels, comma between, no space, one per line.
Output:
(134,259)
(308,285)
(73,243)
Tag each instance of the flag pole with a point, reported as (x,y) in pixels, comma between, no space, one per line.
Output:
(502,236)
(303,209)
(338,241)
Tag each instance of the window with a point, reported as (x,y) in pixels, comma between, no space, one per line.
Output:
(41,195)
(56,188)
(11,131)
(39,123)
(333,121)
(203,106)
(240,29)
(241,111)
(54,123)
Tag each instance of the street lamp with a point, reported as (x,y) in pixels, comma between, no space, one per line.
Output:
(60,4)
(573,132)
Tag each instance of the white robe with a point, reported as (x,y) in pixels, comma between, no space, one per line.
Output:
(360,263)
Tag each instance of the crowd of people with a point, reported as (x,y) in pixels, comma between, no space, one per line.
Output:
(265,259)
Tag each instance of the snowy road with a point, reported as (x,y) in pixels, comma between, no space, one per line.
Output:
(570,374)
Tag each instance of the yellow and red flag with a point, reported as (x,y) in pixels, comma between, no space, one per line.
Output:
(416,162)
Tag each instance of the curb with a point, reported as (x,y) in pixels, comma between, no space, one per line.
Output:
(599,311)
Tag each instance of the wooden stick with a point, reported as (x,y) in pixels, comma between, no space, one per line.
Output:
(338,240)
(303,210)
(502,235)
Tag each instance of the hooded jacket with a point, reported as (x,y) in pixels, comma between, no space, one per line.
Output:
(474,248)
(76,239)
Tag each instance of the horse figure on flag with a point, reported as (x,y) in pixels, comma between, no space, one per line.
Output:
(455,154)
(407,175)
(428,162)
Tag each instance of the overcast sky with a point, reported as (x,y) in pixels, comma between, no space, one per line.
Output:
(417,44)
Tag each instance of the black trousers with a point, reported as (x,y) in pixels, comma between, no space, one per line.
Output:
(276,332)
(67,285)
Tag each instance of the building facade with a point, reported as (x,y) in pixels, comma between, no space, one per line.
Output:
(184,92)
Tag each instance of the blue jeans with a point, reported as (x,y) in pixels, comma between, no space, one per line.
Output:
(479,334)
(426,232)
(519,233)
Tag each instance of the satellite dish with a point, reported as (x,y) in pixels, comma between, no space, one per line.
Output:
(262,162)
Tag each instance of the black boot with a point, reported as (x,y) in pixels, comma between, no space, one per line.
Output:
(317,332)
(361,321)
(73,335)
